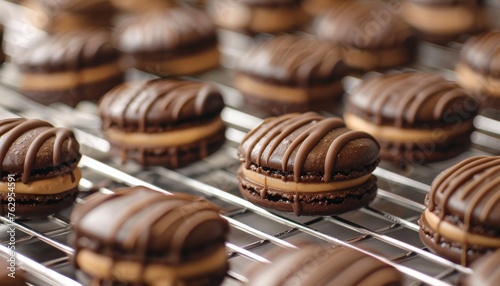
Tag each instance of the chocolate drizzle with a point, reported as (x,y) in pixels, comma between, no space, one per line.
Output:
(293,59)
(72,50)
(165,30)
(148,227)
(162,102)
(322,265)
(409,99)
(363,24)
(293,137)
(482,53)
(470,191)
(19,129)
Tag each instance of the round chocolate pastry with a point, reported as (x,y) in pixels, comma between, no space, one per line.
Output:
(57,16)
(440,21)
(169,42)
(320,266)
(258,16)
(372,37)
(462,218)
(486,271)
(308,164)
(416,117)
(163,122)
(70,67)
(10,274)
(135,6)
(291,74)
(479,68)
(39,168)
(149,238)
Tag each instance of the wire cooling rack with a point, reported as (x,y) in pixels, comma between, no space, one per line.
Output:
(388,225)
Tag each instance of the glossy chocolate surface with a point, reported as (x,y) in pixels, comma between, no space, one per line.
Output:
(482,54)
(308,143)
(33,149)
(69,51)
(171,29)
(363,25)
(145,225)
(295,60)
(320,265)
(159,104)
(470,191)
(412,100)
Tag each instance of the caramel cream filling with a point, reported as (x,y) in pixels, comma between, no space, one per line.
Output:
(452,232)
(476,82)
(68,80)
(370,60)
(101,266)
(260,89)
(49,186)
(291,186)
(167,138)
(403,135)
(189,64)
(441,20)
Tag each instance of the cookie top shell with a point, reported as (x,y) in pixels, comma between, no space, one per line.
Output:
(160,103)
(470,191)
(308,143)
(148,223)
(411,100)
(482,53)
(486,271)
(364,25)
(164,29)
(32,149)
(71,50)
(294,59)
(332,266)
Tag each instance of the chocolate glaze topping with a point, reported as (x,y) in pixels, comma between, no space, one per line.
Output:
(411,99)
(69,51)
(30,145)
(319,265)
(486,271)
(482,53)
(365,25)
(165,29)
(145,225)
(159,104)
(469,191)
(307,143)
(294,59)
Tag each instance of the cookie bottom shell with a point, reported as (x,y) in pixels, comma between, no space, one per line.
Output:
(28,206)
(170,157)
(321,203)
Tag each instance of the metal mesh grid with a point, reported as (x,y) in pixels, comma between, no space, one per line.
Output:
(388,225)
